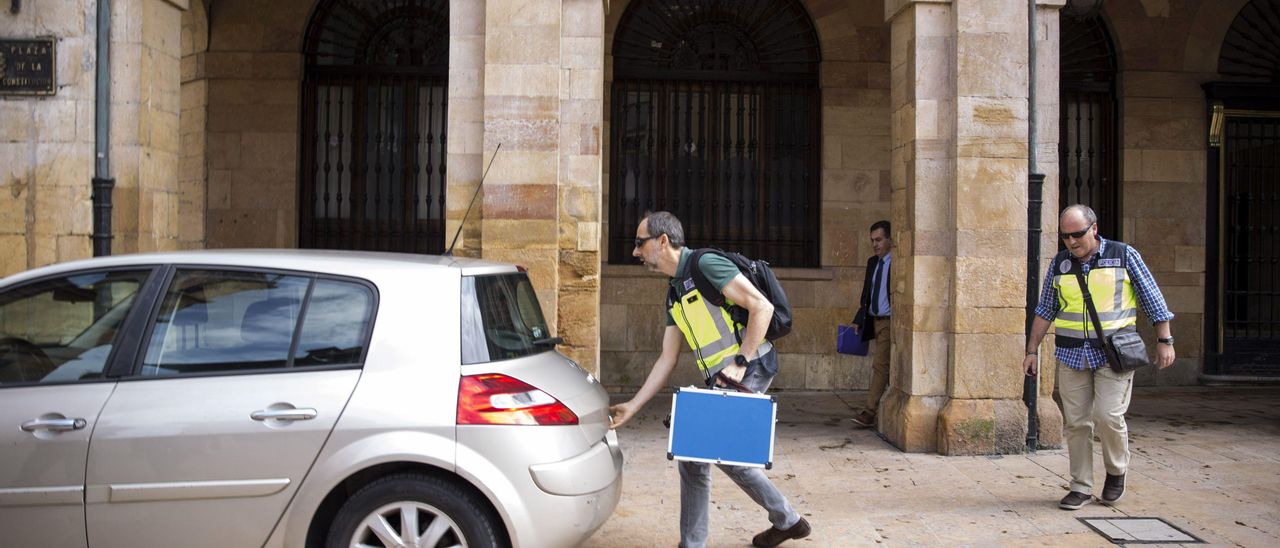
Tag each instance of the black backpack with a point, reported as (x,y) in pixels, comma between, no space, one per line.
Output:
(761,276)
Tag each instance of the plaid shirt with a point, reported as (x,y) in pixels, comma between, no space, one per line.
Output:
(1150,300)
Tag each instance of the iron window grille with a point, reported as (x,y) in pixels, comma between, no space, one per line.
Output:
(374,105)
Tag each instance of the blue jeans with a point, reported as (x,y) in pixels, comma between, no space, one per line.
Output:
(695,477)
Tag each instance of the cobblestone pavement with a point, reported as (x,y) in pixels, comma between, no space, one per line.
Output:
(1206,459)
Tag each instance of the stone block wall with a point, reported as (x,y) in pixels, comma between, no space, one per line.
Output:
(854,80)
(145,138)
(252,72)
(46,144)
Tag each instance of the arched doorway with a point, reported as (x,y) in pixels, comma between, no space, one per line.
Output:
(1087,140)
(373,126)
(715,117)
(1242,312)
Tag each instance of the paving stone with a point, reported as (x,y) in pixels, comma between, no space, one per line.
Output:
(1204,458)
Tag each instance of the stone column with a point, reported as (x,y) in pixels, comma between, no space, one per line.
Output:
(922,99)
(1048,135)
(146,77)
(193,165)
(543,85)
(580,178)
(959,93)
(466,149)
(522,113)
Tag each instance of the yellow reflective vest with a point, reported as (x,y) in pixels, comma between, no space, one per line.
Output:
(1112,292)
(709,330)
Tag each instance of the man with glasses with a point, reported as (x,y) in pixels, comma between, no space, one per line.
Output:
(1094,397)
(750,360)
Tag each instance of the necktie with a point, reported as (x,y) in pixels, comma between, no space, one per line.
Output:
(875,288)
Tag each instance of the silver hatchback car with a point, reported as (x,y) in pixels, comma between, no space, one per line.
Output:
(293,398)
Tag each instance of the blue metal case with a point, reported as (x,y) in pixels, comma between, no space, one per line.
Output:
(722,427)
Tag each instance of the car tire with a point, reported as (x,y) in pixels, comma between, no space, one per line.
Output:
(446,514)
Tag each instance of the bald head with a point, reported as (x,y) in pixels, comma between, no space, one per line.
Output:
(1080,212)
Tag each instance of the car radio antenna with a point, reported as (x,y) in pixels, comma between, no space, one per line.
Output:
(449,253)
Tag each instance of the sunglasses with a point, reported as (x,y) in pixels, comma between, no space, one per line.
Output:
(641,241)
(1076,235)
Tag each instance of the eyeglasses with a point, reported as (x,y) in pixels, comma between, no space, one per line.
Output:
(1076,235)
(641,241)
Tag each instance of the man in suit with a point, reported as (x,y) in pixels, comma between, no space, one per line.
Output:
(873,318)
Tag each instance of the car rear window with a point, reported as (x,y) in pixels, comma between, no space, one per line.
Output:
(501,319)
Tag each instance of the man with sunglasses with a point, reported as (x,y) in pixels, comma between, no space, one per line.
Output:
(712,333)
(1094,397)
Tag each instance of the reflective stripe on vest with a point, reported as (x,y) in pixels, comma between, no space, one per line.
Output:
(708,330)
(1113,297)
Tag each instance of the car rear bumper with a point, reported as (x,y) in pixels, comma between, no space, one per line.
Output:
(557,503)
(589,472)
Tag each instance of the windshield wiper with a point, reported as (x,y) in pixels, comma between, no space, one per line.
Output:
(549,340)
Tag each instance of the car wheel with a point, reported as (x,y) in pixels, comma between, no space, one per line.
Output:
(414,510)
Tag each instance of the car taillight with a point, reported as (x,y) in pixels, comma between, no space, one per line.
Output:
(499,399)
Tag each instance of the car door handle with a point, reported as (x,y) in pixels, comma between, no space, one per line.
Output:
(303,414)
(53,425)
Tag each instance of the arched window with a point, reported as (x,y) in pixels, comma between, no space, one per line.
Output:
(715,117)
(1251,50)
(1087,150)
(373,126)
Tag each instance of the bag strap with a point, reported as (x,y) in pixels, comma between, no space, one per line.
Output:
(1088,303)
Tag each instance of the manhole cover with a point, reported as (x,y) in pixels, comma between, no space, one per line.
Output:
(1140,531)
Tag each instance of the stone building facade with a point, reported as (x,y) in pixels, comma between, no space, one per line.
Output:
(228,122)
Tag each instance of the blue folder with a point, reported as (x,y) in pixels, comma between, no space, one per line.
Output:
(722,427)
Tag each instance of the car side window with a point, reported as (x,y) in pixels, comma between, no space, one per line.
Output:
(336,324)
(214,321)
(63,330)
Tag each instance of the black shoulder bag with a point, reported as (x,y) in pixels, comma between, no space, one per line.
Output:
(1125,349)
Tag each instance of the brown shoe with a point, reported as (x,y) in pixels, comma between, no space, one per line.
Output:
(865,419)
(1113,489)
(1074,500)
(775,536)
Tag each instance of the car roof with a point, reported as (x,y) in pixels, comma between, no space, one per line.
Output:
(346,263)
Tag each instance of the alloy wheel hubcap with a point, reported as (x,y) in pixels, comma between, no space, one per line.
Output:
(407,524)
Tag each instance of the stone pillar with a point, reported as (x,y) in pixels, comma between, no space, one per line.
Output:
(922,99)
(193,171)
(522,113)
(466,149)
(580,178)
(543,84)
(1048,134)
(959,92)
(145,138)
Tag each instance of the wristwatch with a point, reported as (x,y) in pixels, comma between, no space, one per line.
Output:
(1168,341)
(740,360)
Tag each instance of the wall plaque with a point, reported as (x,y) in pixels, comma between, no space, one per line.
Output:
(27,67)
